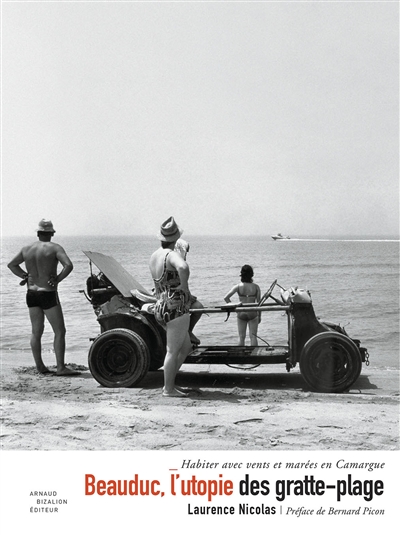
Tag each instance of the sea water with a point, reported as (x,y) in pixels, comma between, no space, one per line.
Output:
(353,282)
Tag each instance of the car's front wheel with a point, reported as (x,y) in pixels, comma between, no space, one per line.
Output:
(330,362)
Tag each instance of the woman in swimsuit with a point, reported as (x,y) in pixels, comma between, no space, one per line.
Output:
(248,292)
(170,273)
(182,247)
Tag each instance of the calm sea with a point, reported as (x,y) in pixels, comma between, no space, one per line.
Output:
(353,282)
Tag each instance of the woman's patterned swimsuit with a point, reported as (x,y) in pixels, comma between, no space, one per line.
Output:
(171,302)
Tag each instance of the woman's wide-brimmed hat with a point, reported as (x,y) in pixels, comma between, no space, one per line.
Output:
(169,231)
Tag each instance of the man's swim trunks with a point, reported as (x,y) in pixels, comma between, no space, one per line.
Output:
(43,300)
(171,302)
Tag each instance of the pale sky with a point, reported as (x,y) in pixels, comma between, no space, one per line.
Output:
(234,117)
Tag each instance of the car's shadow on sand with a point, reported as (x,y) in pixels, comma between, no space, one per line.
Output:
(246,380)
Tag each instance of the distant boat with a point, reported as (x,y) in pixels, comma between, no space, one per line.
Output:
(279,236)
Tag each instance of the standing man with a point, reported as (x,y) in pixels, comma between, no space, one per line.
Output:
(41,261)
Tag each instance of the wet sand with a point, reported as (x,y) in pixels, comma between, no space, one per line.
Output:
(261,409)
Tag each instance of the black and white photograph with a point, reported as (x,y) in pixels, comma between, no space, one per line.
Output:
(200,264)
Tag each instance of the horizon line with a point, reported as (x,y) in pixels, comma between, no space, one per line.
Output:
(269,236)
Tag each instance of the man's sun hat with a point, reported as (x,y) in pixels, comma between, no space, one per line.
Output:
(169,231)
(45,225)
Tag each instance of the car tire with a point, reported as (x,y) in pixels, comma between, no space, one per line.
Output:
(119,358)
(330,362)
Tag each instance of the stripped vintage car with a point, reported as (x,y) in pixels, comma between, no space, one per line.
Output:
(131,342)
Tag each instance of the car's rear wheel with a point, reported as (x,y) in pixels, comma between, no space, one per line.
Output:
(330,362)
(119,358)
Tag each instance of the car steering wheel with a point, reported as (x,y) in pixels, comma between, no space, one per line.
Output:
(268,293)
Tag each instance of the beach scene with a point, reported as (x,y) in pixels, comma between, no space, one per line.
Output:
(265,134)
(352,281)
(269,131)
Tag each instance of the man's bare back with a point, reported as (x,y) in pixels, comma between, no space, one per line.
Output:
(41,260)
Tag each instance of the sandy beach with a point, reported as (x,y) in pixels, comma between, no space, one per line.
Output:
(263,408)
